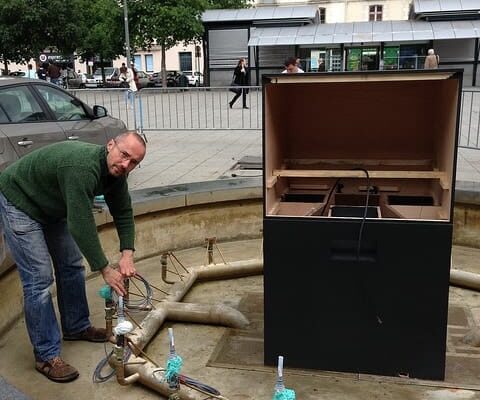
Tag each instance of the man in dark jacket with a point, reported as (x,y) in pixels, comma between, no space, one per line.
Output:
(46,202)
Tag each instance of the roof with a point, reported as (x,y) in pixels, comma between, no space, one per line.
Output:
(430,6)
(364,32)
(260,13)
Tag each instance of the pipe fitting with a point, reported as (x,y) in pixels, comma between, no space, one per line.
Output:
(119,352)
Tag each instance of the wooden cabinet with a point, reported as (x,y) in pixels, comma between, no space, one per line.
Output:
(359,175)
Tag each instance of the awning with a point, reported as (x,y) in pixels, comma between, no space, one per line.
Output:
(260,14)
(435,6)
(364,32)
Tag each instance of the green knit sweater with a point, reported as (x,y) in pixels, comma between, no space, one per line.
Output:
(59,181)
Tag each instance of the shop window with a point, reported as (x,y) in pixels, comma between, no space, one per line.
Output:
(375,12)
(391,57)
(362,59)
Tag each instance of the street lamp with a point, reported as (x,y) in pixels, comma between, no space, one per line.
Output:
(127,34)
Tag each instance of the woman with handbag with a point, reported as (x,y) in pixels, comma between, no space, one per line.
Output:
(240,78)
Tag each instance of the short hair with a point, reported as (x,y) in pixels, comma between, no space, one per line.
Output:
(430,52)
(135,134)
(290,61)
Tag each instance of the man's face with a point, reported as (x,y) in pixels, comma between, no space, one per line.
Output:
(291,69)
(124,155)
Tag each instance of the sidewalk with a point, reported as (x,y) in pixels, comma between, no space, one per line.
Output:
(175,157)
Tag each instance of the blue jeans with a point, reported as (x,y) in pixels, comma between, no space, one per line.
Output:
(34,247)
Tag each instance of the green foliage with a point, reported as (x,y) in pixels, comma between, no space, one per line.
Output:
(63,23)
(165,22)
(220,4)
(21,30)
(28,27)
(104,34)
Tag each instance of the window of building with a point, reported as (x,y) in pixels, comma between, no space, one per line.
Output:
(149,62)
(137,60)
(322,11)
(185,59)
(375,12)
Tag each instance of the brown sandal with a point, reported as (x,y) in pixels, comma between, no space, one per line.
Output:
(57,370)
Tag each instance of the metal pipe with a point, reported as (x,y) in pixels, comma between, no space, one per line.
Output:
(108,321)
(163,262)
(184,312)
(149,375)
(120,368)
(209,242)
(465,279)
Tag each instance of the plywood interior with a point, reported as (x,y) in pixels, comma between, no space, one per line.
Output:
(402,132)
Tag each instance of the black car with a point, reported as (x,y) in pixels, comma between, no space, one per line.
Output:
(172,78)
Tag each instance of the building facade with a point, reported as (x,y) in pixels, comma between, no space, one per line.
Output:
(343,36)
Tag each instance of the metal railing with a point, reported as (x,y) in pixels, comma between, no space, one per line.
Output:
(200,108)
(196,108)
(469,136)
(207,108)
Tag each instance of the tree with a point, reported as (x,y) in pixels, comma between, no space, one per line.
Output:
(28,27)
(104,35)
(20,22)
(165,23)
(220,4)
(63,23)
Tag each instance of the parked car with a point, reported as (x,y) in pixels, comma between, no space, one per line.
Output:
(111,77)
(144,80)
(34,113)
(17,73)
(72,80)
(195,78)
(172,78)
(88,80)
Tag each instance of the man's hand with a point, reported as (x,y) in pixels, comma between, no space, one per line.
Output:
(114,279)
(126,264)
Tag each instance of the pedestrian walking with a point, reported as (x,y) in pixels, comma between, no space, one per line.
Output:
(240,78)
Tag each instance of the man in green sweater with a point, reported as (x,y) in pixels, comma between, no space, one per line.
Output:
(46,203)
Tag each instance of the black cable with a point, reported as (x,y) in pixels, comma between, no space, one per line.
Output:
(329,195)
(368,297)
(365,212)
(196,384)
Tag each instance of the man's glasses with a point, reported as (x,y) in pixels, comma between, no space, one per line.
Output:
(125,156)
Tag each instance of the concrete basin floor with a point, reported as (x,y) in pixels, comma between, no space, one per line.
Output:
(230,360)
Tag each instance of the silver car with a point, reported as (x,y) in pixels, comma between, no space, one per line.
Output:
(34,113)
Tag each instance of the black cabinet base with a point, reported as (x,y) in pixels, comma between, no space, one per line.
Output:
(381,309)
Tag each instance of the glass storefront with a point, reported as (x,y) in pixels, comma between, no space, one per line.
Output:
(393,57)
(321,60)
(390,57)
(362,58)
(404,56)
